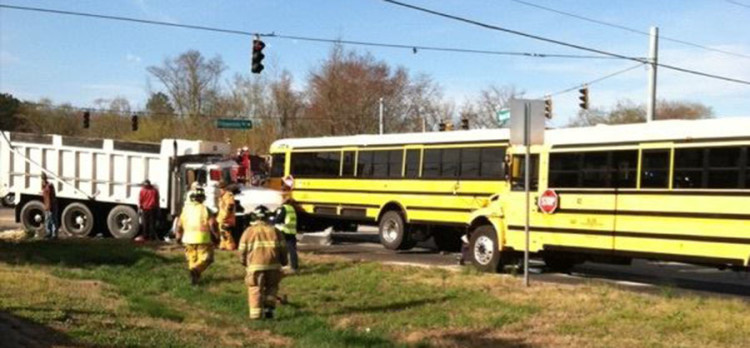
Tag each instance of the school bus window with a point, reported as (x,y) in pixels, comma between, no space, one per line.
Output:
(746,168)
(316,164)
(654,168)
(596,172)
(380,164)
(395,162)
(450,163)
(564,169)
(688,168)
(517,179)
(625,165)
(492,162)
(431,163)
(277,165)
(412,163)
(364,164)
(724,167)
(470,162)
(348,169)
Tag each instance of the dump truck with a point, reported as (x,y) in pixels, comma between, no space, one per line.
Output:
(98,181)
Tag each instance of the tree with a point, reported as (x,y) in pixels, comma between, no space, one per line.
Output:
(191,80)
(9,107)
(627,111)
(482,112)
(344,93)
(158,105)
(286,103)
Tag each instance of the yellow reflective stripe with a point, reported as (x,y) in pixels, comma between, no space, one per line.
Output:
(259,245)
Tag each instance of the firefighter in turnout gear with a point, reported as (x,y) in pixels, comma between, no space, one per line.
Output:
(286,222)
(194,230)
(226,219)
(263,252)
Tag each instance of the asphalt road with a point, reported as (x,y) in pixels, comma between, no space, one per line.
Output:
(642,275)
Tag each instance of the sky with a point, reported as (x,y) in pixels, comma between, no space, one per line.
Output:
(78,60)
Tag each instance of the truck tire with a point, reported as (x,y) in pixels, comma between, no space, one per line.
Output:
(484,250)
(32,217)
(9,200)
(447,240)
(393,233)
(77,220)
(123,222)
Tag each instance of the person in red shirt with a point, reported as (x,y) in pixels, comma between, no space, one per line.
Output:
(49,197)
(148,203)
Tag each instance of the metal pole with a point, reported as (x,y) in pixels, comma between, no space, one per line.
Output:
(653,60)
(381,115)
(527,180)
(424,124)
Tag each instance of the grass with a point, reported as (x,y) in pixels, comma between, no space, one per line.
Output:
(112,293)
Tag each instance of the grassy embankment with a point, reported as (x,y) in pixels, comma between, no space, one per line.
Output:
(110,293)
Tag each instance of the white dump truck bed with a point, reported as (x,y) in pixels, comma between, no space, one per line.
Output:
(102,170)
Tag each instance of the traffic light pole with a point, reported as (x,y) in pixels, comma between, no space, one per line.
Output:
(653,61)
(526,184)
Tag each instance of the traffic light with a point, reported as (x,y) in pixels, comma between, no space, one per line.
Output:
(134,122)
(86,119)
(441,126)
(258,56)
(465,123)
(548,108)
(584,98)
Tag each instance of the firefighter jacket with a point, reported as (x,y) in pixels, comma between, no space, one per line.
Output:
(262,248)
(286,219)
(195,224)
(226,210)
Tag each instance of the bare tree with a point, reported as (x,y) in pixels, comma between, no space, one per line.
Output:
(287,104)
(627,111)
(191,80)
(482,112)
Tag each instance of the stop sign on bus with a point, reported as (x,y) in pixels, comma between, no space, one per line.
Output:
(548,201)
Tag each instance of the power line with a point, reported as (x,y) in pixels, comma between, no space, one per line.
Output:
(414,48)
(595,81)
(632,30)
(737,3)
(562,43)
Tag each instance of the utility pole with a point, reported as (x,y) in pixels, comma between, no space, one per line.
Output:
(381,115)
(653,59)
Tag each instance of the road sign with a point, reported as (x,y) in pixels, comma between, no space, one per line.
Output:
(549,201)
(233,123)
(527,122)
(502,116)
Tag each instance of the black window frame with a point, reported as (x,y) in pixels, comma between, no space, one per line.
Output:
(278,162)
(666,169)
(411,170)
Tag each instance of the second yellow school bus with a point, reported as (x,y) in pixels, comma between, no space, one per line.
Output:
(668,190)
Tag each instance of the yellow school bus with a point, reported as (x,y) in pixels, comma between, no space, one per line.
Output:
(412,186)
(667,190)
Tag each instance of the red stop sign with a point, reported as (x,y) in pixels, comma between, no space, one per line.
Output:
(549,201)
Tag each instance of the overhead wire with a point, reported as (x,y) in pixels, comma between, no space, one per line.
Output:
(561,43)
(629,29)
(738,3)
(594,81)
(414,48)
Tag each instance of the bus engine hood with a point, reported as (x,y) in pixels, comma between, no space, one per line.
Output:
(250,197)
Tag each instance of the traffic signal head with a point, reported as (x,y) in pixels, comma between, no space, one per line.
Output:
(134,122)
(465,123)
(584,98)
(548,108)
(86,119)
(258,56)
(441,126)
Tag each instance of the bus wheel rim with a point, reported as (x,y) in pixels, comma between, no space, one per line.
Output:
(484,250)
(390,231)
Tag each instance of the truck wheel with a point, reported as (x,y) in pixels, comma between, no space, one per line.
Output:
(9,200)
(392,232)
(448,240)
(77,220)
(122,222)
(484,249)
(32,217)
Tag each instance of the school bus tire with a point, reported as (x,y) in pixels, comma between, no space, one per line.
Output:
(484,250)
(393,233)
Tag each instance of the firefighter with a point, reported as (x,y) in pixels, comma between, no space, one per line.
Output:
(263,252)
(286,222)
(226,219)
(194,229)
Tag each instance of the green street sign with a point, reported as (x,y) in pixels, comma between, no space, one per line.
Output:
(233,123)
(503,116)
